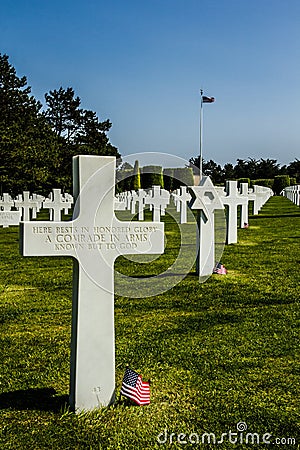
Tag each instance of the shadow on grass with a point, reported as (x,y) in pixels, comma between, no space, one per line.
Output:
(42,399)
(273,216)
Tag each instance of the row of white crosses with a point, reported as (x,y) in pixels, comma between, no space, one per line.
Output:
(95,237)
(292,193)
(157,199)
(206,199)
(25,206)
(232,198)
(182,198)
(7,216)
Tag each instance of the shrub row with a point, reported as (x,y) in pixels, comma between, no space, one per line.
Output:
(148,176)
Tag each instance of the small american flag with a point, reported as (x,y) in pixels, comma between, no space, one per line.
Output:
(135,388)
(220,269)
(207,99)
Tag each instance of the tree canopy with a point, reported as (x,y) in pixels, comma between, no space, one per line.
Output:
(37,141)
(251,168)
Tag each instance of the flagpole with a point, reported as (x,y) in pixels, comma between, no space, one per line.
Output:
(201,136)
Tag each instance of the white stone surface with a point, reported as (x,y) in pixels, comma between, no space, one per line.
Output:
(232,200)
(141,195)
(26,204)
(244,192)
(56,203)
(158,200)
(6,202)
(94,238)
(206,201)
(9,218)
(184,197)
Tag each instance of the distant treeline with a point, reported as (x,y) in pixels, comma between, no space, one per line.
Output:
(264,172)
(133,178)
(253,169)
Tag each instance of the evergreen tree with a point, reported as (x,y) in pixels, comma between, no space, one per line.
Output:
(136,178)
(36,147)
(26,140)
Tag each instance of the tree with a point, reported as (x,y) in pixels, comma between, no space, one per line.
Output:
(136,178)
(213,170)
(245,168)
(293,169)
(63,113)
(194,163)
(228,172)
(79,127)
(168,175)
(280,182)
(36,147)
(123,177)
(17,106)
(152,175)
(267,168)
(26,140)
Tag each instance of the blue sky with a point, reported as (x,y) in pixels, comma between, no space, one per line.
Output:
(142,64)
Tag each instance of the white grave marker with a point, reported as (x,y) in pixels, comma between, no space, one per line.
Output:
(233,199)
(39,201)
(158,200)
(95,238)
(184,197)
(26,204)
(56,203)
(206,200)
(9,218)
(245,206)
(134,199)
(141,195)
(6,202)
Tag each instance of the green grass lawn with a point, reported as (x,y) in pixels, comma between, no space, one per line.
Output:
(217,353)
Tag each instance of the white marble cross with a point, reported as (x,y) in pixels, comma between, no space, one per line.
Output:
(141,195)
(177,201)
(39,200)
(9,218)
(244,219)
(120,204)
(128,199)
(157,200)
(6,202)
(134,198)
(94,238)
(26,204)
(165,196)
(183,198)
(232,200)
(56,203)
(205,200)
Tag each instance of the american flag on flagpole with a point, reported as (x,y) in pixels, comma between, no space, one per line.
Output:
(207,99)
(135,388)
